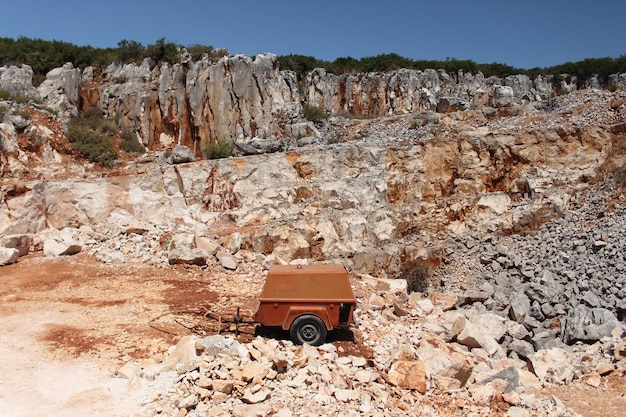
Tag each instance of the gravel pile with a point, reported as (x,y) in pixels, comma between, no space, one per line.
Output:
(564,281)
(588,107)
(577,109)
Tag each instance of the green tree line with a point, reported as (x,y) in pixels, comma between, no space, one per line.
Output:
(43,55)
(583,70)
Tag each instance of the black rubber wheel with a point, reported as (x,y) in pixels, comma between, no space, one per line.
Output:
(308,329)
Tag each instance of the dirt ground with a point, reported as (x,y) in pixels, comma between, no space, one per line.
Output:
(68,324)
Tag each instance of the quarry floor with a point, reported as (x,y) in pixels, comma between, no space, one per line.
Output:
(68,324)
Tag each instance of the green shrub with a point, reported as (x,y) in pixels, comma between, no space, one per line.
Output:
(301,64)
(218,149)
(620,176)
(129,51)
(350,115)
(51,111)
(23,114)
(18,98)
(130,143)
(119,80)
(107,126)
(91,144)
(314,113)
(361,134)
(3,111)
(94,119)
(561,91)
(334,138)
(425,119)
(162,51)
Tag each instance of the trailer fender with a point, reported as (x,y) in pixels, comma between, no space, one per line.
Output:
(296,311)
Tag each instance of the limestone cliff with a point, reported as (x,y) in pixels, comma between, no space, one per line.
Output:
(242,99)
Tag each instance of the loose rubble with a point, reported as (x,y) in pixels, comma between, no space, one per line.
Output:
(446,362)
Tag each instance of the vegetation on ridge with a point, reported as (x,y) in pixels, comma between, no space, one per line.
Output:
(44,55)
(92,143)
(583,70)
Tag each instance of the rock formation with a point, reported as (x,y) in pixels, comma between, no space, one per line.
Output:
(242,99)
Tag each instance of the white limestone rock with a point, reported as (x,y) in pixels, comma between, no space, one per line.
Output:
(8,256)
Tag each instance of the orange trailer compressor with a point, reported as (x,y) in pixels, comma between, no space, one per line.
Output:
(307,300)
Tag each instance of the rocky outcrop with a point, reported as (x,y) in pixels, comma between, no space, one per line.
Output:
(197,104)
(344,202)
(242,99)
(17,80)
(61,90)
(251,102)
(406,91)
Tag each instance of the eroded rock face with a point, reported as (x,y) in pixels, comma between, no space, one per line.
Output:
(60,90)
(342,202)
(249,100)
(17,80)
(196,104)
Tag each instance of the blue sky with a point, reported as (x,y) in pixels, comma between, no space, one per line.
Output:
(523,34)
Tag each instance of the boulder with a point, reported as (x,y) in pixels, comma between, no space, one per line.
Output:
(17,80)
(227,261)
(509,374)
(446,301)
(183,357)
(8,139)
(112,257)
(588,324)
(520,308)
(255,397)
(545,338)
(474,336)
(232,243)
(180,155)
(180,240)
(54,247)
(60,90)
(8,256)
(552,365)
(502,96)
(20,123)
(219,345)
(523,348)
(409,375)
(187,402)
(445,368)
(482,395)
(21,242)
(187,256)
(254,370)
(450,324)
(393,286)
